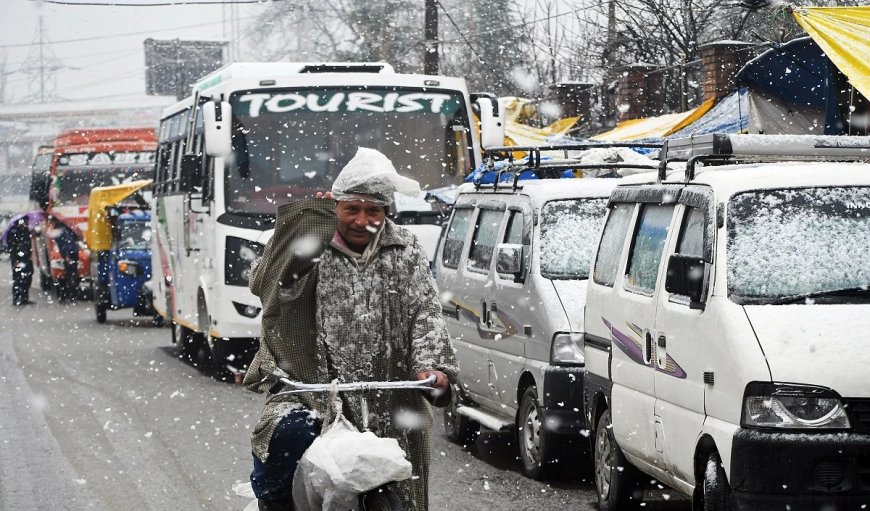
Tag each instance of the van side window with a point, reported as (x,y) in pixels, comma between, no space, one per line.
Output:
(483,242)
(455,238)
(647,247)
(692,233)
(610,248)
(515,233)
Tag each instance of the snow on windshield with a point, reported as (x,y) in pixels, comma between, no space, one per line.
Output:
(794,242)
(569,235)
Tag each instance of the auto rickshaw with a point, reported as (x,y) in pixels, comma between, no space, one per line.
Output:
(119,236)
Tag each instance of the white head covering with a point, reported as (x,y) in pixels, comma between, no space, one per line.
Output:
(370,176)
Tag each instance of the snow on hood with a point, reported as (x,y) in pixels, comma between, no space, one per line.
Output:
(572,293)
(816,344)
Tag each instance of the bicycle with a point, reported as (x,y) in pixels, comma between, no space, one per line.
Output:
(379,498)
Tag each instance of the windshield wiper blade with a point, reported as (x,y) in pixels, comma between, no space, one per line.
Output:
(848,292)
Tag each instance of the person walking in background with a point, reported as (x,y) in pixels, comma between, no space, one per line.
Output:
(20,255)
(68,246)
(348,296)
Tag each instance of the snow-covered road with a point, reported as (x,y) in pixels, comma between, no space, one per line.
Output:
(106,417)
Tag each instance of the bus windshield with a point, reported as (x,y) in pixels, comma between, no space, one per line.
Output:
(72,185)
(292,143)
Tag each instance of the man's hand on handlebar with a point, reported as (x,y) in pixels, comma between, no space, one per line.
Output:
(441,382)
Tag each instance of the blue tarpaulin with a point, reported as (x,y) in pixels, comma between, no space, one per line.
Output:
(794,72)
(730,115)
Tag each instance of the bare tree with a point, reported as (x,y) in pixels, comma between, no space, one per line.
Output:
(376,30)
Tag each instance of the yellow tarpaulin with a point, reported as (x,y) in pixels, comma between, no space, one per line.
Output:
(843,33)
(654,127)
(523,135)
(99,235)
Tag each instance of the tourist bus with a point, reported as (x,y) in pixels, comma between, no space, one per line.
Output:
(252,136)
(63,175)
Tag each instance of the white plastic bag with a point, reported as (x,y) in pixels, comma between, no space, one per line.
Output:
(342,463)
(371,172)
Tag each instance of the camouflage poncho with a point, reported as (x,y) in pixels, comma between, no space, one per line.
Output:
(378,322)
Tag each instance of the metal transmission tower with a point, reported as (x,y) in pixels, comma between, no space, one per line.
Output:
(41,64)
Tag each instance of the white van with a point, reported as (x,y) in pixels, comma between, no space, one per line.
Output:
(512,268)
(728,328)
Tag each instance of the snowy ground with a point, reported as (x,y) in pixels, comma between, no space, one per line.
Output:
(105,417)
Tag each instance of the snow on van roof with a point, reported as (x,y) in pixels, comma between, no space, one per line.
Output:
(543,190)
(729,179)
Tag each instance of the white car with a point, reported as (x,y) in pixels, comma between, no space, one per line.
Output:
(512,268)
(726,328)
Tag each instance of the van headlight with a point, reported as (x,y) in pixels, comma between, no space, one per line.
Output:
(792,406)
(240,255)
(567,348)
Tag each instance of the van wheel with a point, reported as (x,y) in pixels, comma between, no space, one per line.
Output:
(717,492)
(460,429)
(616,480)
(539,448)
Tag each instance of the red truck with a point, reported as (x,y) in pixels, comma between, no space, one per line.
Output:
(63,175)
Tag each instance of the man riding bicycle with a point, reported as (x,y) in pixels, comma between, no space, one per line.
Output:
(346,295)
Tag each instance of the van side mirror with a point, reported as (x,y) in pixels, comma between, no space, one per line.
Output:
(491,122)
(688,276)
(216,118)
(191,171)
(509,259)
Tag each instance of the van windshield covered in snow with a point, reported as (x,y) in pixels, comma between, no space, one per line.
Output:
(793,244)
(569,236)
(291,143)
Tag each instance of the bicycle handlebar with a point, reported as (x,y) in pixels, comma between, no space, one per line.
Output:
(295,387)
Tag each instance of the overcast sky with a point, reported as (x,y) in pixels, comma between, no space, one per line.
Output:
(110,63)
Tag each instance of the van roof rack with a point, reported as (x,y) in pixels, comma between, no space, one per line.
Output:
(491,153)
(552,169)
(725,148)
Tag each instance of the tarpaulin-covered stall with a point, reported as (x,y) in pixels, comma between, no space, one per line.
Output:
(653,128)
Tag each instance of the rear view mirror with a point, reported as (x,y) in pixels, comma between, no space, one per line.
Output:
(191,171)
(491,122)
(216,118)
(688,276)
(509,259)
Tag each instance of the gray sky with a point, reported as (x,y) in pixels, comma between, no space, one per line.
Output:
(111,62)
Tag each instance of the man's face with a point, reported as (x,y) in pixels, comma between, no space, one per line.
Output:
(358,221)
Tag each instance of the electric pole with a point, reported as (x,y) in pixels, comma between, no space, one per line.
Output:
(42,66)
(430,49)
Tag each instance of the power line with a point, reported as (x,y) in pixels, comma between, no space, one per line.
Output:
(479,58)
(524,24)
(156,4)
(112,36)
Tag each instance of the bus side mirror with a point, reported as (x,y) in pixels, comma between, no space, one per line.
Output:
(491,122)
(688,276)
(216,117)
(191,171)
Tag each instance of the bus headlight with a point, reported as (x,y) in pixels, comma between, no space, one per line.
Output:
(240,255)
(792,406)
